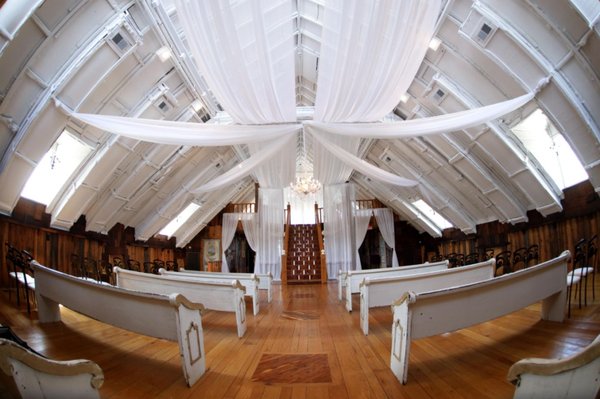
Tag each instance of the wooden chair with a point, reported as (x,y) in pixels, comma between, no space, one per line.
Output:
(158,264)
(533,255)
(134,265)
(149,267)
(503,263)
(118,261)
(488,253)
(105,272)
(77,265)
(11,255)
(581,268)
(455,259)
(592,260)
(437,258)
(90,269)
(519,259)
(471,258)
(171,265)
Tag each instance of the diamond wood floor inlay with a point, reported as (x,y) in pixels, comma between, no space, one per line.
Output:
(292,368)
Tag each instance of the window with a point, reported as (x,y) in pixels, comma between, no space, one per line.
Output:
(541,138)
(176,223)
(431,215)
(55,168)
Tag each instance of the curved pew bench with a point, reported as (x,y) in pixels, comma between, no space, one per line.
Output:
(435,312)
(172,317)
(265,280)
(248,281)
(39,377)
(351,279)
(576,376)
(220,296)
(383,291)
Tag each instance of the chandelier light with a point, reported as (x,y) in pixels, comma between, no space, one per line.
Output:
(305,185)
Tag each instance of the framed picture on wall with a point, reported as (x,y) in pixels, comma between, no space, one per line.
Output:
(211,254)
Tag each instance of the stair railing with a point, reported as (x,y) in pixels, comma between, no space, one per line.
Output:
(321,243)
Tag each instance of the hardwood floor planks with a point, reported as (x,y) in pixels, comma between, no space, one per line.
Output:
(309,319)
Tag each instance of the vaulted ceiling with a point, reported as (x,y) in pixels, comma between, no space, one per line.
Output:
(101,56)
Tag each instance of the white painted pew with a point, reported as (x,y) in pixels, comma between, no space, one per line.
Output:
(39,377)
(436,312)
(576,376)
(265,281)
(224,297)
(248,281)
(383,291)
(351,279)
(172,317)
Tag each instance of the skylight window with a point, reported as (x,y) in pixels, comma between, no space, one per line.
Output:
(176,223)
(55,168)
(432,215)
(549,147)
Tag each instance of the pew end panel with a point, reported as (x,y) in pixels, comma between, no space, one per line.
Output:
(401,338)
(38,377)
(575,376)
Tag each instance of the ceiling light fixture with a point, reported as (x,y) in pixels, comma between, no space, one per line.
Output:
(305,185)
(434,44)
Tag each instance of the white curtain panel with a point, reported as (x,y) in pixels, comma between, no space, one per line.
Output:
(247,166)
(385,222)
(361,224)
(370,53)
(230,221)
(270,202)
(279,170)
(250,225)
(245,51)
(338,202)
(330,169)
(424,126)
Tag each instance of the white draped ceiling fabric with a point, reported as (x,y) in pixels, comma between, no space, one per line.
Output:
(370,53)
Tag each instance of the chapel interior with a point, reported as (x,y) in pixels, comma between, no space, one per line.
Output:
(306,139)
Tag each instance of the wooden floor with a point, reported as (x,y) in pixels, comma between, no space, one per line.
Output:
(305,345)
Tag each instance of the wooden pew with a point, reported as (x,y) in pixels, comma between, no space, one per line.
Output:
(172,317)
(248,281)
(219,296)
(35,376)
(265,281)
(576,376)
(383,291)
(352,279)
(435,312)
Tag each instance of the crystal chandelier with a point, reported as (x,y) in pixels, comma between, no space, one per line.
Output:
(305,185)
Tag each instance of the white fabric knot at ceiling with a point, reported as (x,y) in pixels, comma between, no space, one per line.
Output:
(370,53)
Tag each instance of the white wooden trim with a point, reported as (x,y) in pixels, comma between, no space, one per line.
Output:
(383,291)
(576,376)
(172,317)
(214,295)
(435,312)
(249,281)
(353,278)
(265,281)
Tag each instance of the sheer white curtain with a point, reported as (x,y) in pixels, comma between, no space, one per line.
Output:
(230,221)
(280,169)
(385,222)
(250,225)
(338,201)
(270,202)
(361,223)
(245,51)
(370,53)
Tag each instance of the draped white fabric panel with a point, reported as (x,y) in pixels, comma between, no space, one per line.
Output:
(355,162)
(187,133)
(331,169)
(385,222)
(280,169)
(245,51)
(370,53)
(340,248)
(230,221)
(425,126)
(250,225)
(361,224)
(247,166)
(271,232)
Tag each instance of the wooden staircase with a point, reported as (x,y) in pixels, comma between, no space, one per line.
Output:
(303,255)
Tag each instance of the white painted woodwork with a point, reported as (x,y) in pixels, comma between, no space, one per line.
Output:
(575,376)
(220,296)
(172,317)
(383,291)
(39,377)
(351,280)
(249,282)
(420,315)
